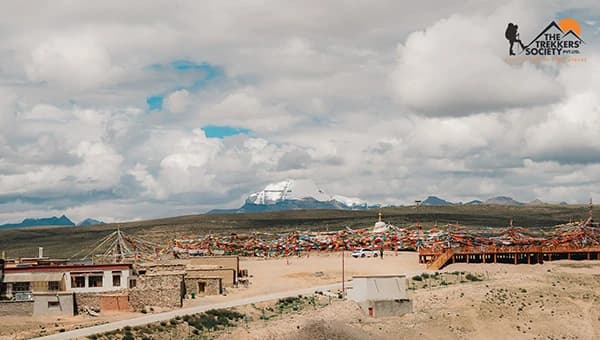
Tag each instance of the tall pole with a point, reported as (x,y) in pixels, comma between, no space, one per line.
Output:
(287,250)
(343,273)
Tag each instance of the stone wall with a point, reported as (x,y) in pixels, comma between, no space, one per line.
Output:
(16,308)
(93,300)
(89,300)
(157,268)
(212,286)
(158,290)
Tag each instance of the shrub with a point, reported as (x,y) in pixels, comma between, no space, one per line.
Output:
(472,277)
(417,278)
(425,275)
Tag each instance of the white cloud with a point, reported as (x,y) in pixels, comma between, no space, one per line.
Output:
(73,61)
(456,67)
(245,109)
(177,101)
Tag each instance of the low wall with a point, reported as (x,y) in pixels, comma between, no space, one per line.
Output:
(63,304)
(16,308)
(89,300)
(114,302)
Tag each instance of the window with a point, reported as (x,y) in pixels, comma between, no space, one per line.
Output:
(53,305)
(53,286)
(21,287)
(116,280)
(95,280)
(132,283)
(201,287)
(78,281)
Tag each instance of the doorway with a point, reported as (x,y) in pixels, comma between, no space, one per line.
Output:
(201,287)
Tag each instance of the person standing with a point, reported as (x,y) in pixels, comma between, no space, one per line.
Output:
(381,252)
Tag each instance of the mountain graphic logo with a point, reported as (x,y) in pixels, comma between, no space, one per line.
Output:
(557,39)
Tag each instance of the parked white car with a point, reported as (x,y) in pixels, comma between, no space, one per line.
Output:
(364,252)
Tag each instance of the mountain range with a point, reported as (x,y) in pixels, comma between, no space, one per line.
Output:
(498,200)
(304,194)
(62,221)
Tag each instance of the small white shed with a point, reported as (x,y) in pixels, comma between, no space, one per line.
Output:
(381,295)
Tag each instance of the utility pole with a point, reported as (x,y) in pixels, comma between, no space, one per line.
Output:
(343,273)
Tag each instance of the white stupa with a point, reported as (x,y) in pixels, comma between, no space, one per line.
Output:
(380,226)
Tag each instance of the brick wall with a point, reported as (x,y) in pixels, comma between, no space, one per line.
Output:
(114,303)
(16,308)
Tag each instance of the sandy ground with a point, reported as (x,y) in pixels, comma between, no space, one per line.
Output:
(281,274)
(559,300)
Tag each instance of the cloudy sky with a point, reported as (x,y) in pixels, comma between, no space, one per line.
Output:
(174,107)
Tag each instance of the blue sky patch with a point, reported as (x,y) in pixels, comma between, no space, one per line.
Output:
(197,76)
(216,131)
(154,103)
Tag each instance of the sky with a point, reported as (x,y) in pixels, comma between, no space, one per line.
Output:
(133,110)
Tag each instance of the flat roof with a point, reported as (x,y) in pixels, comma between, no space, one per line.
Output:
(70,267)
(32,277)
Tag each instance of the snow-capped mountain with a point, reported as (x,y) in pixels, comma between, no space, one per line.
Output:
(288,190)
(294,195)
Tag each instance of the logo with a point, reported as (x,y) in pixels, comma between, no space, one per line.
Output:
(562,39)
